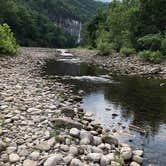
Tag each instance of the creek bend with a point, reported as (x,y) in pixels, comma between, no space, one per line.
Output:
(118,102)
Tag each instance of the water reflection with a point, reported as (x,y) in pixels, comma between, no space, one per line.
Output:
(138,101)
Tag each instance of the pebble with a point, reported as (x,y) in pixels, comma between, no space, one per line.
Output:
(95,157)
(29,163)
(75,132)
(14,158)
(76,162)
(73,150)
(54,160)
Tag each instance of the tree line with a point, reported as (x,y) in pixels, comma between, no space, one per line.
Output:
(129,26)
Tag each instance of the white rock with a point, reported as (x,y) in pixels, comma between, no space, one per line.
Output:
(75,132)
(97,140)
(105,161)
(138,159)
(76,162)
(94,157)
(11,149)
(138,152)
(85,134)
(65,148)
(46,145)
(29,163)
(54,160)
(126,153)
(96,150)
(134,164)
(5,157)
(73,150)
(68,158)
(34,155)
(85,141)
(14,158)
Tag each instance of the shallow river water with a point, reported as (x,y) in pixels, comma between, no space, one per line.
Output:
(118,102)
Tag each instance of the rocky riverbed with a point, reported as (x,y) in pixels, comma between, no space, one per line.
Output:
(121,65)
(41,122)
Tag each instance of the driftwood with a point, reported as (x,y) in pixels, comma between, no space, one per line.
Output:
(136,128)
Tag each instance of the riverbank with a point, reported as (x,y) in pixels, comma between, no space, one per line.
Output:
(41,122)
(121,65)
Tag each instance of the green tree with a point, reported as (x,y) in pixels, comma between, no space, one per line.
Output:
(8,43)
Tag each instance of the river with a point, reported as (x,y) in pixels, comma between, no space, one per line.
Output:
(118,102)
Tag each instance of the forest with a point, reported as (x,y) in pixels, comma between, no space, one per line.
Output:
(32,23)
(129,26)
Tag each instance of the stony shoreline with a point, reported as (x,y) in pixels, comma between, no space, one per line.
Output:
(120,65)
(41,122)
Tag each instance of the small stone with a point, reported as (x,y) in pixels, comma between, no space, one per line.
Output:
(24,152)
(73,150)
(85,141)
(97,140)
(14,158)
(46,145)
(29,163)
(34,155)
(134,164)
(85,134)
(96,150)
(65,148)
(138,159)
(11,149)
(95,157)
(126,153)
(110,139)
(9,99)
(138,152)
(3,145)
(54,160)
(69,112)
(76,162)
(75,132)
(105,161)
(68,158)
(5,157)
(1,131)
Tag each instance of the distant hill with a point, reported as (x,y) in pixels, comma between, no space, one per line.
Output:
(46,23)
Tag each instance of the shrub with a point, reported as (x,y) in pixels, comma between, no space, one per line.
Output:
(151,56)
(105,48)
(8,43)
(163,45)
(127,51)
(150,42)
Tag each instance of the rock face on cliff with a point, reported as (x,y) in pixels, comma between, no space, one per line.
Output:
(71,26)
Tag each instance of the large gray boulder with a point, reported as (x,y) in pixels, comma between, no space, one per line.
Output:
(66,122)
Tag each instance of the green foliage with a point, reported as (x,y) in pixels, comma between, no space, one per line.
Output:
(127,51)
(127,24)
(151,56)
(105,48)
(8,43)
(150,42)
(163,44)
(34,22)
